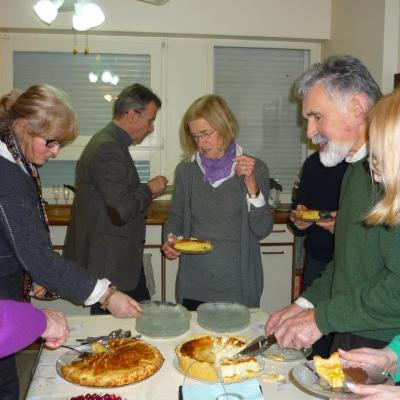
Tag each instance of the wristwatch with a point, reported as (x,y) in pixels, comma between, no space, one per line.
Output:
(254,195)
(106,302)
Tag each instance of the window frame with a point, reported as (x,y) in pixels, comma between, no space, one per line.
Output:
(155,47)
(315,56)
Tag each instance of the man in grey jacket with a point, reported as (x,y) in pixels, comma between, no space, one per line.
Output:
(106,233)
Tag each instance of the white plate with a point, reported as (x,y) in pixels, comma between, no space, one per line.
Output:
(288,355)
(223,317)
(162,320)
(178,368)
(306,379)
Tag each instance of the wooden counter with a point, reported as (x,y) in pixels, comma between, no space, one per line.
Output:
(156,215)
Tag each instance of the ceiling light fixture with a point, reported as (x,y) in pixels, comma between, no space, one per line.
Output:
(87,14)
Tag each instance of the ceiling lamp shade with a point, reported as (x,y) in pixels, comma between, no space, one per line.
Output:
(155,2)
(87,16)
(47,10)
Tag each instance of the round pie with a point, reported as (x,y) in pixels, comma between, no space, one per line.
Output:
(207,357)
(124,361)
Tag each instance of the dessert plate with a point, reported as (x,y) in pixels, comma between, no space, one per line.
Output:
(276,353)
(223,317)
(162,320)
(322,216)
(305,378)
(193,246)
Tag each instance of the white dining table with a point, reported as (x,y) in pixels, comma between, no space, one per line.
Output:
(164,384)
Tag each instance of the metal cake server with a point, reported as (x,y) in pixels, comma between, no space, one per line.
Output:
(256,347)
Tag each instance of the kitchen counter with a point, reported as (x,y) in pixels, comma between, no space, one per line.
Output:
(59,214)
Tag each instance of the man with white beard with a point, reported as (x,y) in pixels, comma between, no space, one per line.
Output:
(350,298)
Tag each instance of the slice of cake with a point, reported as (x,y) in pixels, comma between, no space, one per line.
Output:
(205,357)
(312,215)
(330,369)
(192,245)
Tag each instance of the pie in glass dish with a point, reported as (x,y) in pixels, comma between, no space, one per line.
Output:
(208,358)
(123,361)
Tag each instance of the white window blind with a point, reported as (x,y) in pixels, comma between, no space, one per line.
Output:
(71,73)
(258,83)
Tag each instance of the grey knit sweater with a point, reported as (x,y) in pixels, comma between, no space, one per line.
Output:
(233,270)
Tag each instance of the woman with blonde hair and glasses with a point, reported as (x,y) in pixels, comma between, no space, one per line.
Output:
(384,163)
(34,125)
(220,195)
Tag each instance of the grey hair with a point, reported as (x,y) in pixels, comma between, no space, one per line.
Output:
(135,96)
(342,76)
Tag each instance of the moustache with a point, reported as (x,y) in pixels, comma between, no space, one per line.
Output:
(319,139)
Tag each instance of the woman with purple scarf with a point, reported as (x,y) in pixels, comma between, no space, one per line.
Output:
(219,196)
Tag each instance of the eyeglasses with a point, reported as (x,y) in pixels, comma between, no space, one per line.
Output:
(51,143)
(141,115)
(202,135)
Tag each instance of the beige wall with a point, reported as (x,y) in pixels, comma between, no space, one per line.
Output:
(369,30)
(308,19)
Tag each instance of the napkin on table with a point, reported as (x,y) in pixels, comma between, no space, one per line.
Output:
(250,390)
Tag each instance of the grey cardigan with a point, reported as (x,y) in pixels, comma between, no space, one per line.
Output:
(25,243)
(256,224)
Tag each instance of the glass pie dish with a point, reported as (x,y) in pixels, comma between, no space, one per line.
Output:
(163,319)
(223,317)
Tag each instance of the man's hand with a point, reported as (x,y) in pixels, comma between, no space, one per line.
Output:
(281,315)
(121,305)
(298,331)
(167,248)
(57,330)
(375,392)
(329,225)
(384,358)
(157,185)
(301,225)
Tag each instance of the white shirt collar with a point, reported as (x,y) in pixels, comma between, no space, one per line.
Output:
(358,155)
(4,152)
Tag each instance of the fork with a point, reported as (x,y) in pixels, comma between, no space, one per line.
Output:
(81,353)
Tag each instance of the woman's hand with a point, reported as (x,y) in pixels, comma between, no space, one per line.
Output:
(167,248)
(57,330)
(246,167)
(384,358)
(376,392)
(121,305)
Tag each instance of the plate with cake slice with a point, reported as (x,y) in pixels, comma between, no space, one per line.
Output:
(312,215)
(328,377)
(193,246)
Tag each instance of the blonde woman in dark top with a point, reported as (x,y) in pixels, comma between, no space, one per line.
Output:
(219,196)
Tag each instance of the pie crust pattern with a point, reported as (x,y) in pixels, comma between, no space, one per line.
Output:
(123,362)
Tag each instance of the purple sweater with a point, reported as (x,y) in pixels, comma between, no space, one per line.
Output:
(20,325)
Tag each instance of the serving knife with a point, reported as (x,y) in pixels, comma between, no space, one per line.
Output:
(256,347)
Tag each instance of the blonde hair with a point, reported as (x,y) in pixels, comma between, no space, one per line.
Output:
(45,109)
(216,112)
(384,143)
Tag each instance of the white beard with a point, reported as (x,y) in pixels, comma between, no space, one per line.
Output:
(334,154)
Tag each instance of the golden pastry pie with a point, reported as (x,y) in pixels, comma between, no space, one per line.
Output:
(202,356)
(124,361)
(330,369)
(192,245)
(309,214)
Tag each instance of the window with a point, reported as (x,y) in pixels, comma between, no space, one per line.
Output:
(257,83)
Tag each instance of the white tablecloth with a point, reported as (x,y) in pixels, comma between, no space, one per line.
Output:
(46,384)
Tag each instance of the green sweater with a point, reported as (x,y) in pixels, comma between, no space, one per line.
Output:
(359,292)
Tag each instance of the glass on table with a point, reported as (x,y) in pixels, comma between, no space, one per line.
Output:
(56,192)
(66,193)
